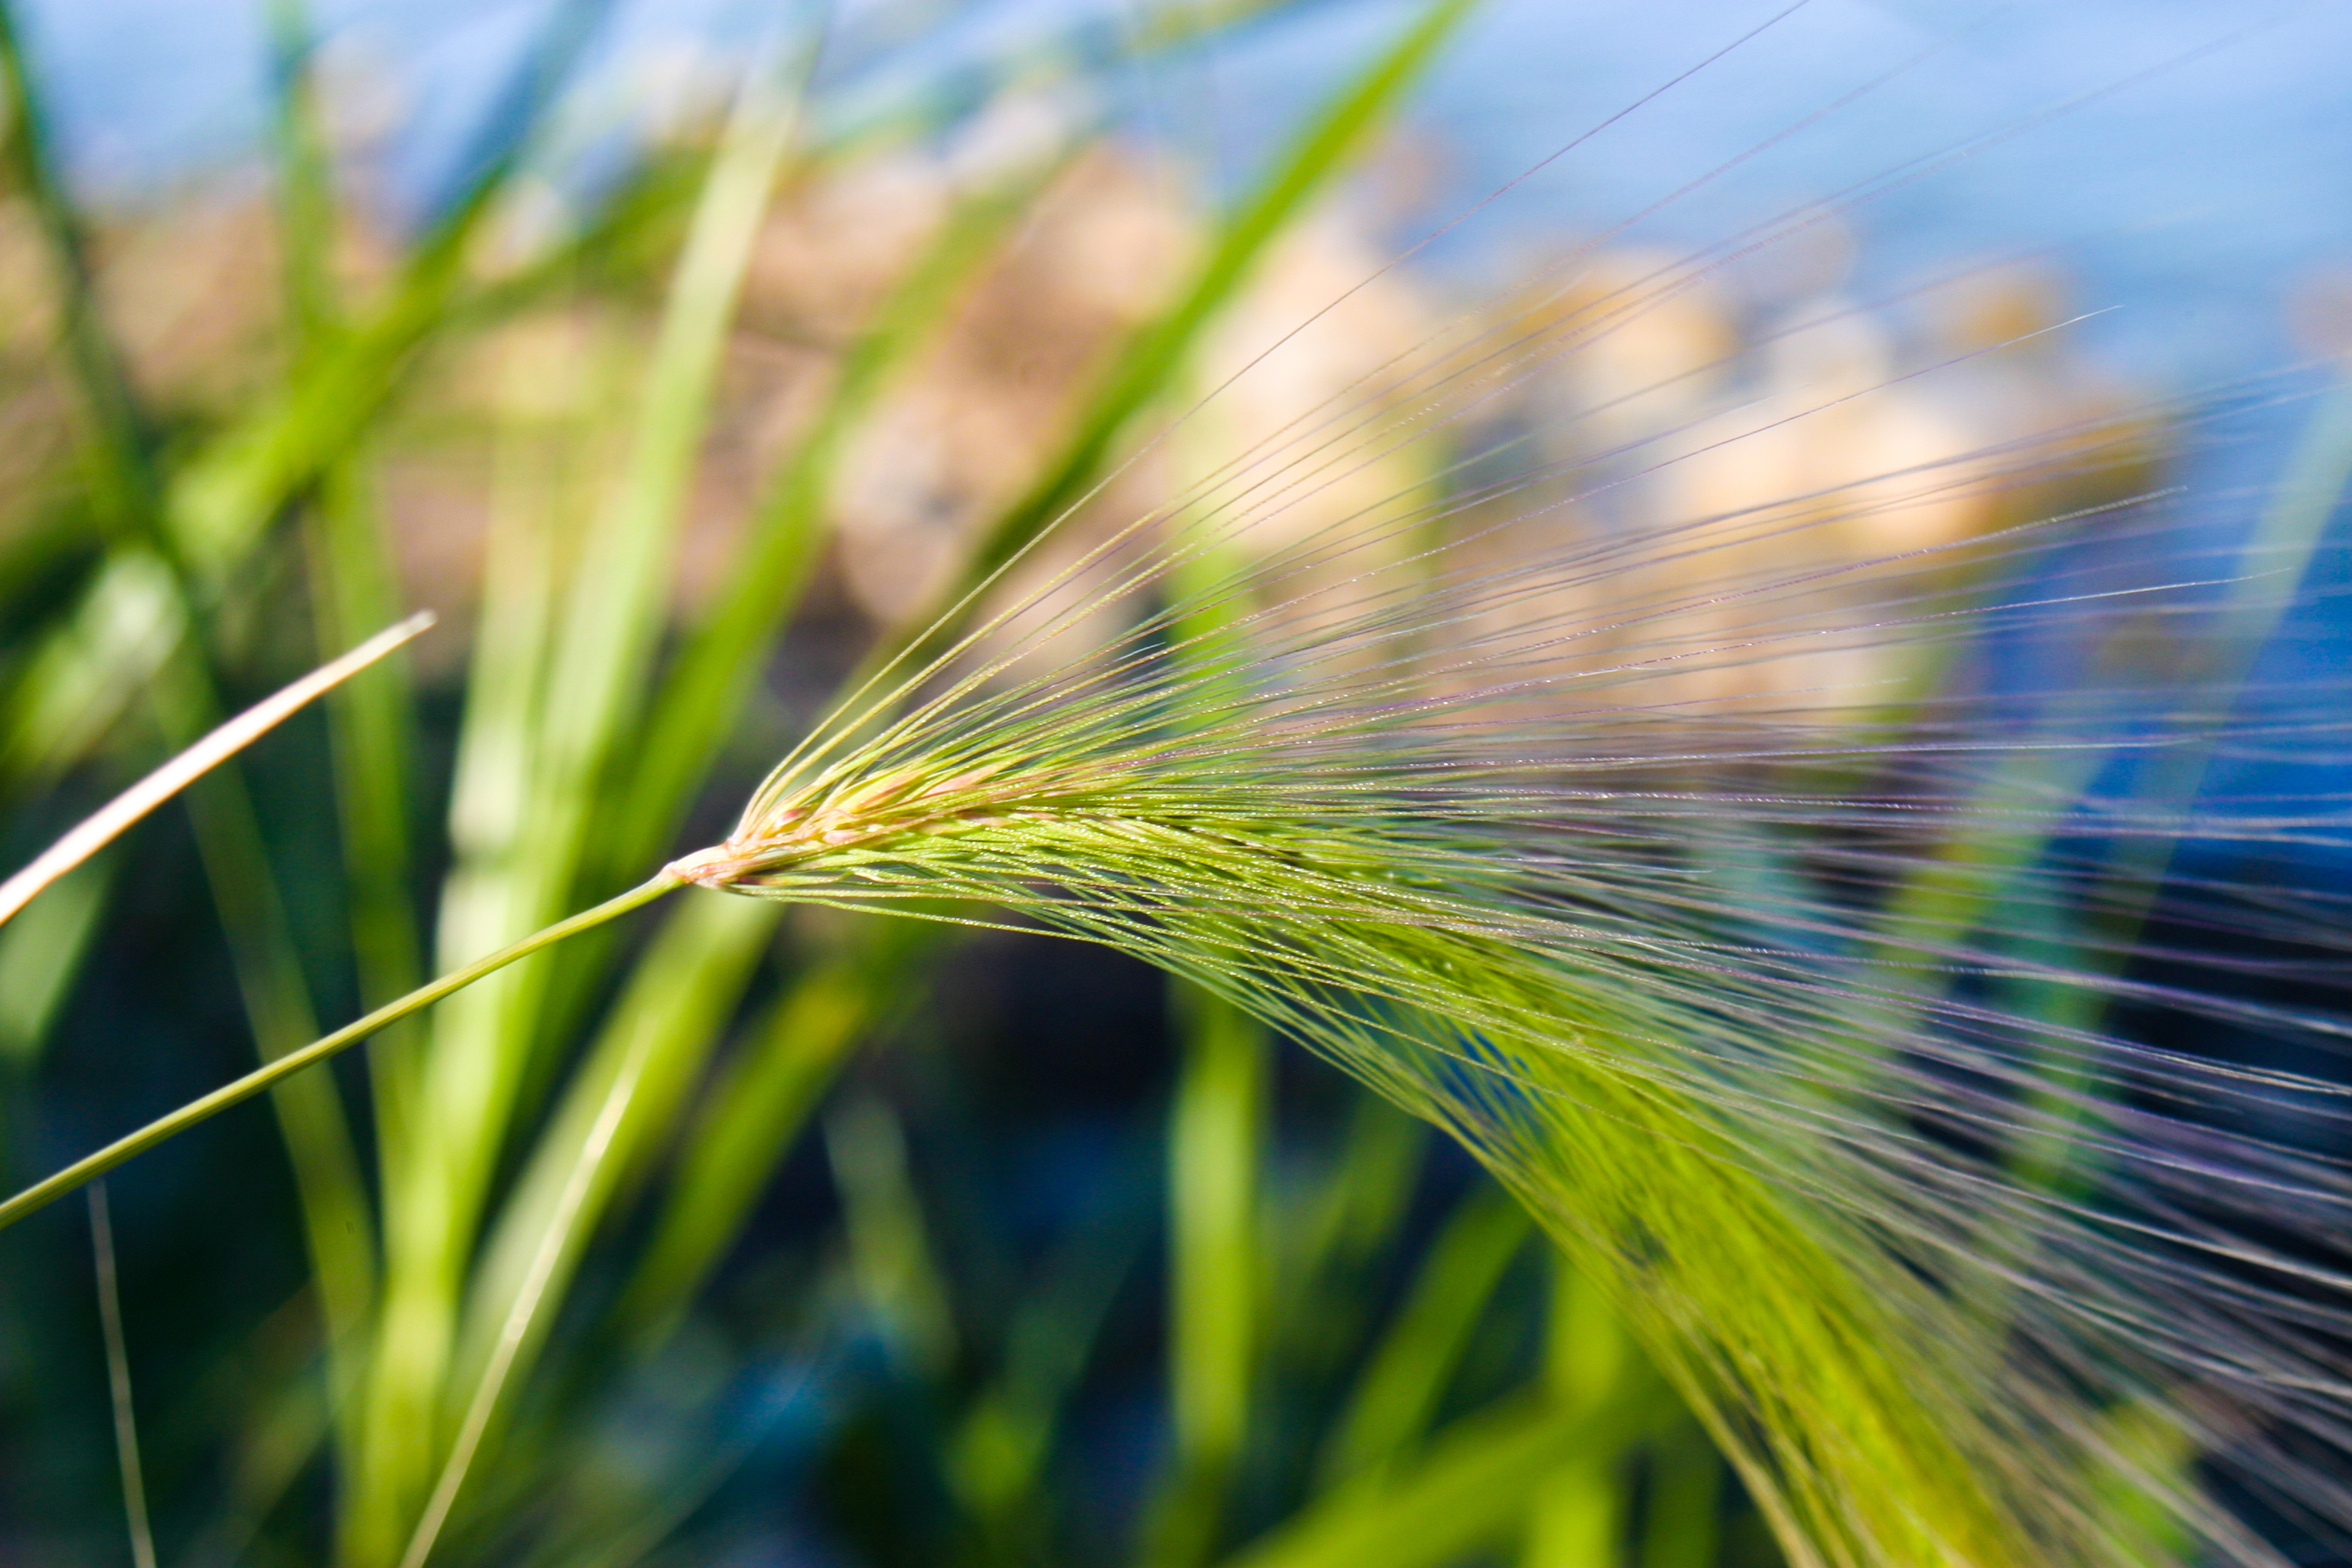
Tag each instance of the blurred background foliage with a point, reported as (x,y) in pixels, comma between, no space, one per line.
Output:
(745,1237)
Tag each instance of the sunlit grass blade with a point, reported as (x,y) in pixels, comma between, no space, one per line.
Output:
(194,761)
(632,1084)
(370,726)
(696,704)
(1466,1492)
(522,1318)
(576,672)
(351,584)
(1397,1394)
(1578,1515)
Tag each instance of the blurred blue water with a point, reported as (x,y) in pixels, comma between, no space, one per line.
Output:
(2202,172)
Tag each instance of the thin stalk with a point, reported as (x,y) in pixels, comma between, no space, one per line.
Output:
(118,1380)
(91,1166)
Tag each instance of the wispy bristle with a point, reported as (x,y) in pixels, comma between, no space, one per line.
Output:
(1774,913)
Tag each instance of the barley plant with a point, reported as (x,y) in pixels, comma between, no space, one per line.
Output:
(1806,843)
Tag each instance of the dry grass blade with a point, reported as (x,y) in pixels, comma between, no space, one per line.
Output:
(119,815)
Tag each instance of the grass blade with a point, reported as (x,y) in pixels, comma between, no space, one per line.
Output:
(1215,1137)
(1466,1492)
(704,694)
(680,997)
(1144,369)
(1400,1388)
(118,1381)
(39,956)
(757,1107)
(102,826)
(593,655)
(119,467)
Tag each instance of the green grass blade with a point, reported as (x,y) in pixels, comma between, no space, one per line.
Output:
(486,898)
(600,640)
(336,1222)
(1578,1515)
(524,1321)
(891,1255)
(1216,1132)
(1144,369)
(1371,1182)
(218,503)
(704,694)
(1467,1492)
(996,1463)
(41,953)
(1398,1392)
(681,995)
(351,586)
(80,681)
(306,194)
(119,465)
(371,730)
(636,1074)
(757,1107)
(566,685)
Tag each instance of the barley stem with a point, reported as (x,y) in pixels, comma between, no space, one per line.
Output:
(40,1193)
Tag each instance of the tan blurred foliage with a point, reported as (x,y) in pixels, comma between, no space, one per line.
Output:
(1783,434)
(1739,483)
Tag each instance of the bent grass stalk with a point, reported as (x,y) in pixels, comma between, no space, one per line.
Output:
(97,1164)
